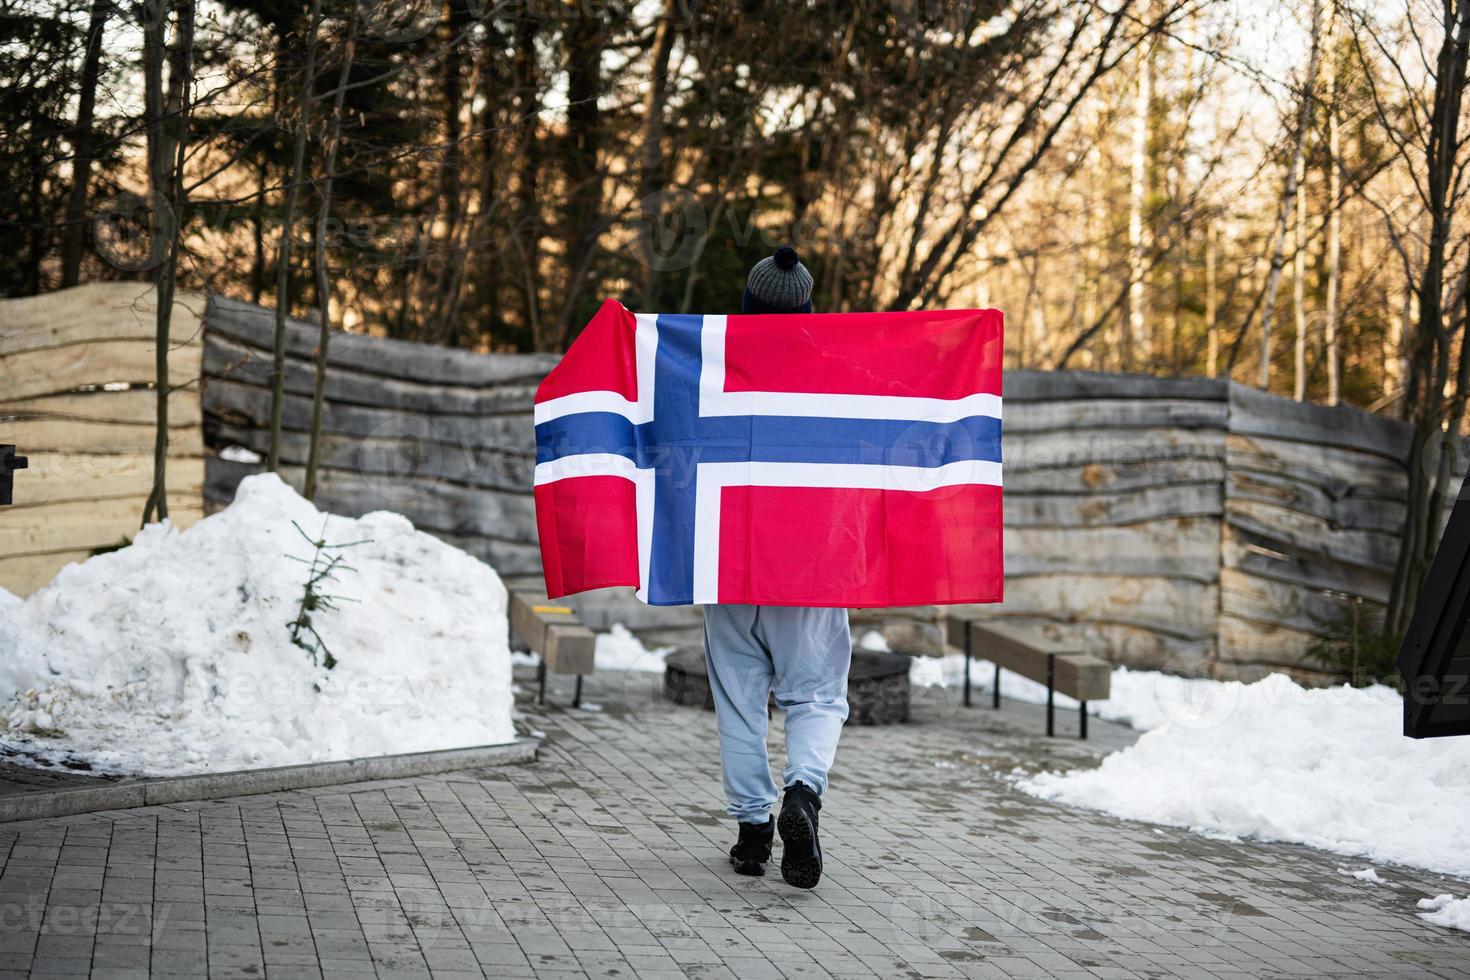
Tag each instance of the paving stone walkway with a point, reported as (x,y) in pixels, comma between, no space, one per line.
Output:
(605,858)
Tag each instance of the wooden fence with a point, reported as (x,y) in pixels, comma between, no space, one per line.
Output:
(76,391)
(1193,524)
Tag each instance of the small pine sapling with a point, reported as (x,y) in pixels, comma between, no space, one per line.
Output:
(326,561)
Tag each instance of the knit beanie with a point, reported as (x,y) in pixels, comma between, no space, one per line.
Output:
(779,284)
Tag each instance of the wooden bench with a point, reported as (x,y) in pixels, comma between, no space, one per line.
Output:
(550,629)
(1076,674)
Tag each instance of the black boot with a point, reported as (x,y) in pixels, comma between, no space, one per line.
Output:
(753,849)
(801,854)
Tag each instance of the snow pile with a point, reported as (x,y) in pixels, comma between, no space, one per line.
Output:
(619,649)
(1370,875)
(1447,911)
(1325,767)
(173,655)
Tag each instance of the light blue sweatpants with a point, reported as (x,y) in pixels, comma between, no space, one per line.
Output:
(803,656)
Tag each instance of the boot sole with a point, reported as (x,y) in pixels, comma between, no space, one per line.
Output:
(755,871)
(801,862)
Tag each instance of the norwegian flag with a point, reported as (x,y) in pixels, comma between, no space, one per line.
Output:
(843,459)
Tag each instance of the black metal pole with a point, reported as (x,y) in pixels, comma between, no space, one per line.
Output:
(577,694)
(967,665)
(1082,719)
(1050,699)
(541,681)
(995,689)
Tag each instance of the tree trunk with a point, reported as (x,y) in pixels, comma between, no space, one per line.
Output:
(1288,197)
(650,170)
(527,75)
(323,279)
(1334,218)
(283,249)
(166,180)
(1424,396)
(1135,346)
(1212,326)
(82,141)
(581,219)
(1299,287)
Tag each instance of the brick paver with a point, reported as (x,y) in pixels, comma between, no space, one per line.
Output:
(606,858)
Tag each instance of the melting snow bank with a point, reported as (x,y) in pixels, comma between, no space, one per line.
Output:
(1447,911)
(173,655)
(1326,767)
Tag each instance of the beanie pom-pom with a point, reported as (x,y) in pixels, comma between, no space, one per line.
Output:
(786,258)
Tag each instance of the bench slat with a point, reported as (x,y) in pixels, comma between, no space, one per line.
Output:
(1076,674)
(551,629)
(1084,677)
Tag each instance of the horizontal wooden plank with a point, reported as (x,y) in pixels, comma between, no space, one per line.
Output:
(436,506)
(241,404)
(254,325)
(23,574)
(1174,606)
(1256,413)
(95,311)
(1250,643)
(431,506)
(391,458)
(86,524)
(1291,532)
(506,557)
(1340,508)
(1125,451)
(1115,413)
(135,405)
(1088,478)
(1257,555)
(1183,548)
(229,360)
(55,370)
(1107,509)
(36,436)
(1028,386)
(56,477)
(1332,468)
(1271,602)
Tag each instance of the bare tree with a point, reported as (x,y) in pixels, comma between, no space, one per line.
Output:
(74,235)
(323,278)
(283,247)
(1288,196)
(168,137)
(1443,168)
